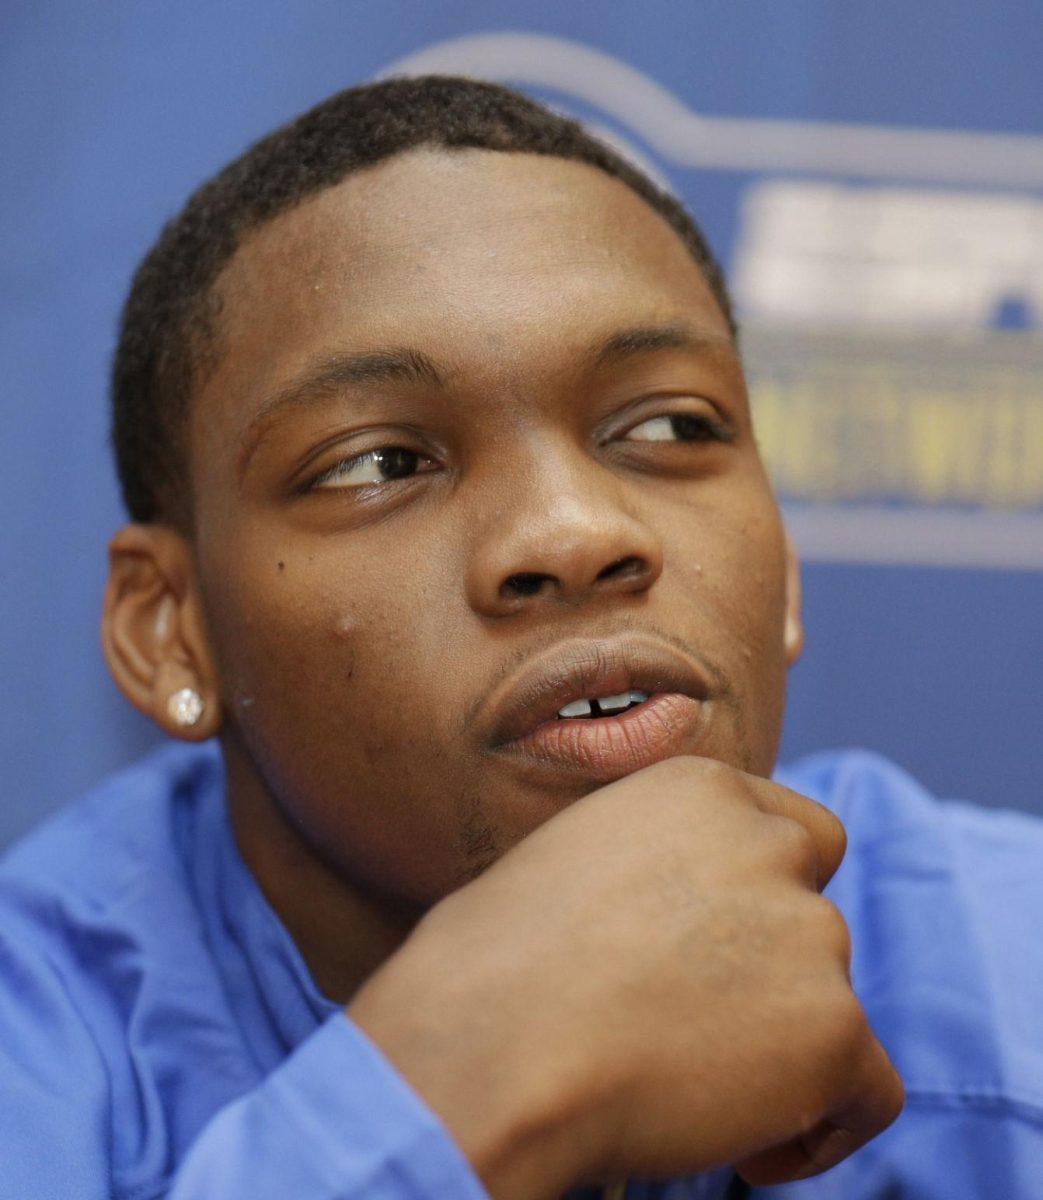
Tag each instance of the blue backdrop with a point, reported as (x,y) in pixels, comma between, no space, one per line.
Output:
(872,175)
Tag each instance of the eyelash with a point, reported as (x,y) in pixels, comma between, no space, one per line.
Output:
(709,430)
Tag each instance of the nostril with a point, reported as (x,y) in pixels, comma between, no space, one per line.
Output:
(524,584)
(624,567)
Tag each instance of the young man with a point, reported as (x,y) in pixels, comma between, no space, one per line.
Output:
(452,550)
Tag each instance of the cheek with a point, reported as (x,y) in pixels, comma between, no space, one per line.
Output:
(338,699)
(730,558)
(752,596)
(317,658)
(732,570)
(283,638)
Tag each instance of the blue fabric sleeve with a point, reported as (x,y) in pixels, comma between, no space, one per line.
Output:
(54,1100)
(333,1122)
(940,1148)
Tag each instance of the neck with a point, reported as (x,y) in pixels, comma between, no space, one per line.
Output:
(343,933)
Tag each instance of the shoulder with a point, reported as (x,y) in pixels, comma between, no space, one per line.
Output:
(944,900)
(119,832)
(111,1000)
(110,875)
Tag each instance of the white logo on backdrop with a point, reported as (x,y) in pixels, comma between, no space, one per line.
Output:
(829,254)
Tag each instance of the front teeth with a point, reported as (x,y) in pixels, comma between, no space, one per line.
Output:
(605,704)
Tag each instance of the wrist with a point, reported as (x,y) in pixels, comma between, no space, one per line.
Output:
(489,1085)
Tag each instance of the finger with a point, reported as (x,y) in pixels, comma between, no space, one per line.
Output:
(873,1103)
(827,833)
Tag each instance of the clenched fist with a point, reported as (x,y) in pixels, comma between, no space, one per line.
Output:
(650,984)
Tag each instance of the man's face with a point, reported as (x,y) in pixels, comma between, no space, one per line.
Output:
(521,328)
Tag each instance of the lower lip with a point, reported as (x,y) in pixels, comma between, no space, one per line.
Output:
(608,748)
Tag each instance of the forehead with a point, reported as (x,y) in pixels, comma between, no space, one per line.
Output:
(471,254)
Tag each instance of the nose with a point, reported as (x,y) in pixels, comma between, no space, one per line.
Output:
(554,528)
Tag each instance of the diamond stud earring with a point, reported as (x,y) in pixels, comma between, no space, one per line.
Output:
(185,707)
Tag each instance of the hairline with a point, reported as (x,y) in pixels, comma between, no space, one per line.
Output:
(197,326)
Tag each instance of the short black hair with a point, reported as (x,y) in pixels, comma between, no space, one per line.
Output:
(166,336)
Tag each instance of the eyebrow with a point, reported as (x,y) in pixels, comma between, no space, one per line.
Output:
(327,377)
(330,375)
(644,339)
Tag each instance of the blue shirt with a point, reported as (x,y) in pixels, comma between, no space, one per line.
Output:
(161,1036)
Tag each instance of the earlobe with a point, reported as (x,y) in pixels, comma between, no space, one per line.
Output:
(793,629)
(152,636)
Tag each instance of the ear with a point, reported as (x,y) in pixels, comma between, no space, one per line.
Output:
(793,631)
(152,630)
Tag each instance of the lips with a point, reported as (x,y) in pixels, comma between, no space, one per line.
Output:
(581,669)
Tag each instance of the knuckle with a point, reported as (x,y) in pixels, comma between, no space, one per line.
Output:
(837,834)
(795,847)
(834,931)
(895,1100)
(852,1034)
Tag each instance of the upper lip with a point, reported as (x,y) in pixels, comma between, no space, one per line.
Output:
(582,668)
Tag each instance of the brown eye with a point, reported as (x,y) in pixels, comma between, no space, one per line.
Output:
(383,465)
(676,427)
